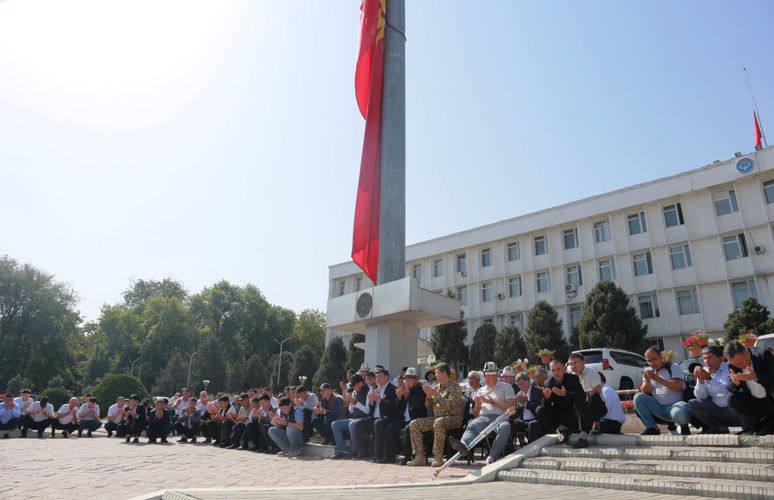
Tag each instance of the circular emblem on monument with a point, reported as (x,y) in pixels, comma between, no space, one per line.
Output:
(364,304)
(744,165)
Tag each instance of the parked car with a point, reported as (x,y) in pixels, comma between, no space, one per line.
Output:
(765,341)
(622,369)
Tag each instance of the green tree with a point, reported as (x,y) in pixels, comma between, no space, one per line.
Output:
(448,343)
(280,368)
(113,385)
(355,355)
(173,377)
(509,346)
(332,369)
(120,332)
(170,329)
(39,334)
(304,364)
(609,320)
(544,331)
(57,396)
(751,315)
(256,371)
(482,348)
(309,330)
(210,365)
(140,291)
(219,311)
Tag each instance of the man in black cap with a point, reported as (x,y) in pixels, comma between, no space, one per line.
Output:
(411,405)
(329,409)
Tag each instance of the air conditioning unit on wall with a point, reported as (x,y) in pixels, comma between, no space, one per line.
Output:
(759,249)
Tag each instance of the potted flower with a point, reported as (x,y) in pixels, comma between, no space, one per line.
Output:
(748,339)
(669,356)
(532,371)
(519,365)
(695,343)
(545,355)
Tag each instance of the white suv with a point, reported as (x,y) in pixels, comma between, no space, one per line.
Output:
(622,369)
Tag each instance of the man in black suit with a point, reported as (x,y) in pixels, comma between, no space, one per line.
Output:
(528,399)
(411,405)
(751,372)
(562,395)
(384,410)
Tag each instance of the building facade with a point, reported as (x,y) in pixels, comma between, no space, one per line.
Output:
(687,249)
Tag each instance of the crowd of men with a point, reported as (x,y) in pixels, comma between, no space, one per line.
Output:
(375,417)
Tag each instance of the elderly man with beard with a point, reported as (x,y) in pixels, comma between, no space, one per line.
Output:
(562,394)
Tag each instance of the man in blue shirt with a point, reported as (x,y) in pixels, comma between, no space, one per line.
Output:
(288,430)
(9,415)
(711,392)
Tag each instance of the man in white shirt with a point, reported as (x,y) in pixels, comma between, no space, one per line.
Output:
(181,404)
(66,418)
(115,416)
(24,402)
(614,418)
(39,417)
(592,408)
(88,417)
(490,402)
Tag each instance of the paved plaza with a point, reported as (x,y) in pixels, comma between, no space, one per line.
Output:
(108,468)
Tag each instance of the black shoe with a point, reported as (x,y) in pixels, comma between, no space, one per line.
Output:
(193,440)
(339,455)
(457,445)
(581,443)
(207,441)
(88,434)
(152,440)
(327,441)
(685,430)
(375,460)
(387,460)
(232,446)
(651,431)
(110,434)
(40,434)
(564,434)
(403,461)
(128,438)
(595,432)
(80,432)
(164,440)
(183,440)
(136,440)
(24,433)
(6,436)
(65,434)
(244,447)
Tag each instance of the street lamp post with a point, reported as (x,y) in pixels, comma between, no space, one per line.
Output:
(131,370)
(206,383)
(279,361)
(302,379)
(190,361)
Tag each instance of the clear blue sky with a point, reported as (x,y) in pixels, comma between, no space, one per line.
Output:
(221,140)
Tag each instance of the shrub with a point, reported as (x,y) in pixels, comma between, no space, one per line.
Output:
(117,384)
(57,396)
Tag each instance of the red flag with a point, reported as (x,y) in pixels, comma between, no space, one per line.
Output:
(758,134)
(368,92)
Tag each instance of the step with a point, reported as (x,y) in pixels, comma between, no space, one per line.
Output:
(714,488)
(717,440)
(715,470)
(684,453)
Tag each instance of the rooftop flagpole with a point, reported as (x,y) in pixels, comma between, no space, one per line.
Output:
(755,107)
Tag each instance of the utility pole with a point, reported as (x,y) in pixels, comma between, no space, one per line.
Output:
(279,361)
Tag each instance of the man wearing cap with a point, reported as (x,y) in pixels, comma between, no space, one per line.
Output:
(490,402)
(411,406)
(330,409)
(358,409)
(508,375)
(364,369)
(447,400)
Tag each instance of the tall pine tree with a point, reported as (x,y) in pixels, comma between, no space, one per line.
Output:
(448,343)
(482,348)
(509,346)
(332,369)
(609,320)
(544,331)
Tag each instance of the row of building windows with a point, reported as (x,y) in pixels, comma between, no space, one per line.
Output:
(687,301)
(734,247)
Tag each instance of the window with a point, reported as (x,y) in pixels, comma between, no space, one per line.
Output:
(462,264)
(462,294)
(642,264)
(637,224)
(673,215)
(602,231)
(486,257)
(606,270)
(680,256)
(514,287)
(570,238)
(517,320)
(486,292)
(574,314)
(437,268)
(725,202)
(741,290)
(768,191)
(657,343)
(735,246)
(416,272)
(542,282)
(513,251)
(648,306)
(541,246)
(687,302)
(342,284)
(358,284)
(574,276)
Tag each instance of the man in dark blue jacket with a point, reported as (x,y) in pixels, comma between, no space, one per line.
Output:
(330,408)
(384,411)
(752,385)
(411,404)
(358,409)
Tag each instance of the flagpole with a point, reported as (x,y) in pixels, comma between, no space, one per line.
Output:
(755,107)
(392,220)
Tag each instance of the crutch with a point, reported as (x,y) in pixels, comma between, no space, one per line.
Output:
(481,436)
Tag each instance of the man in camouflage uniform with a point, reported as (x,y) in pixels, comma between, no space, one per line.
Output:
(446,396)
